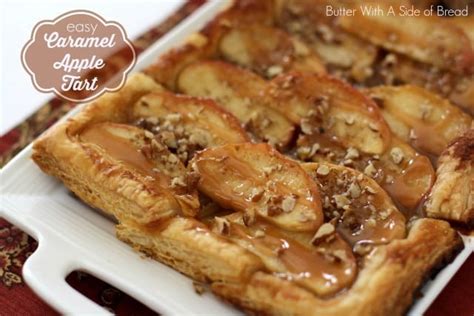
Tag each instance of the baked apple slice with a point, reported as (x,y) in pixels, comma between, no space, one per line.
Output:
(349,54)
(400,170)
(464,23)
(429,40)
(321,262)
(186,124)
(419,117)
(261,183)
(168,67)
(407,175)
(133,152)
(239,92)
(321,104)
(399,69)
(267,50)
(362,211)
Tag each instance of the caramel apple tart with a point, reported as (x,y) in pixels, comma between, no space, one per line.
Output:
(295,163)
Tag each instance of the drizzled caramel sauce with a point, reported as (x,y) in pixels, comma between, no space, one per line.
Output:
(241,177)
(426,137)
(325,268)
(409,185)
(130,152)
(370,218)
(117,147)
(368,233)
(407,182)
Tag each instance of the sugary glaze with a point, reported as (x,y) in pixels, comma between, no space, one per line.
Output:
(324,265)
(285,188)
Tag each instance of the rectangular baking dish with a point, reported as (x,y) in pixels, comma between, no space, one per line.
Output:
(73,236)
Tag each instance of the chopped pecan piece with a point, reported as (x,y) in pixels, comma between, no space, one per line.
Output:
(187,124)
(358,215)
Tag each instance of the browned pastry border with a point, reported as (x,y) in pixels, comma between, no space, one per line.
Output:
(59,153)
(385,285)
(452,196)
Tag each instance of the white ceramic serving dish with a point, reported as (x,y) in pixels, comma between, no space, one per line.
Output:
(72,236)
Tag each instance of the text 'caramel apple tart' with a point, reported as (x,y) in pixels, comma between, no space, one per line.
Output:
(295,163)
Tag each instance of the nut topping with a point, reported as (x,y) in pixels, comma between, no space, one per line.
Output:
(325,230)
(352,153)
(274,70)
(288,204)
(341,200)
(323,170)
(178,181)
(397,155)
(370,170)
(222,225)
(259,233)
(354,190)
(306,126)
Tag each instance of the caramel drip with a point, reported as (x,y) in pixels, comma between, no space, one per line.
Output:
(380,232)
(406,186)
(117,147)
(370,219)
(302,262)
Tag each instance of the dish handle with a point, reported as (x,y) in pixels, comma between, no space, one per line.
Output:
(45,272)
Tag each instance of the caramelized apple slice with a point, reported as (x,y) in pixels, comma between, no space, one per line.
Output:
(323,265)
(257,180)
(400,170)
(362,211)
(239,92)
(420,117)
(186,124)
(459,89)
(408,176)
(338,49)
(345,51)
(267,50)
(142,155)
(167,68)
(427,39)
(321,103)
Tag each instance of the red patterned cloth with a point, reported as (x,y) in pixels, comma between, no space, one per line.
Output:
(15,246)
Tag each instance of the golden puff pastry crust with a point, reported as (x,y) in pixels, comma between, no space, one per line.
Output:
(97,153)
(59,153)
(386,284)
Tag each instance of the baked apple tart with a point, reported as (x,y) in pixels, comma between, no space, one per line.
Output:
(271,158)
